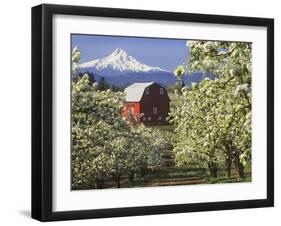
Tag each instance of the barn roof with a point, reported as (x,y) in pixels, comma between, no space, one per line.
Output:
(135,91)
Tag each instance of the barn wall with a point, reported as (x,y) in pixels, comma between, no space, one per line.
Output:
(134,105)
(154,99)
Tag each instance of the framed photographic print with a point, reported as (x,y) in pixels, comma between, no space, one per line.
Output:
(146,112)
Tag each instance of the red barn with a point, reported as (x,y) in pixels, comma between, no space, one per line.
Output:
(147,102)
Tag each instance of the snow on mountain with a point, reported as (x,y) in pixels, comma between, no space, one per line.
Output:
(120,61)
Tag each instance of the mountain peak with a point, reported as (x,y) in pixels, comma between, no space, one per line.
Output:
(121,54)
(120,61)
(118,51)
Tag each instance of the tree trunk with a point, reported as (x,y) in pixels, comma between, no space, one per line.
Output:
(142,171)
(131,176)
(240,170)
(117,180)
(228,167)
(239,167)
(213,168)
(99,183)
(182,83)
(235,157)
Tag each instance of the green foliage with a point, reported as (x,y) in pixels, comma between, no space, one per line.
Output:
(95,114)
(102,85)
(75,59)
(179,72)
(79,75)
(104,145)
(213,118)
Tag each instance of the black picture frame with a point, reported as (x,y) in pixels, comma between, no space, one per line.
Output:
(42,111)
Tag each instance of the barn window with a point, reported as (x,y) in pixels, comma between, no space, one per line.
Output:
(146,91)
(154,110)
(149,118)
(143,118)
(159,118)
(161,91)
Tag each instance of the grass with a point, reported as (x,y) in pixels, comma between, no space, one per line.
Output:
(171,176)
(184,176)
(169,128)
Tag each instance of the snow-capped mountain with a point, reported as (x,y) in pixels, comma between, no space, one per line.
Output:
(121,70)
(119,61)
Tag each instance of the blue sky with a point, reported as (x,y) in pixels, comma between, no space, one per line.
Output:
(164,53)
